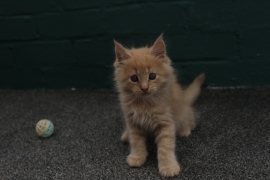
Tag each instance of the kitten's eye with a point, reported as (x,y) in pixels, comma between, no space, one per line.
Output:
(134,78)
(152,76)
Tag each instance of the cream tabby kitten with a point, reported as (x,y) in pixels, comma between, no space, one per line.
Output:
(153,102)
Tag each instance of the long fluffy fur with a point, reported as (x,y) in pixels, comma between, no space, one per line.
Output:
(164,110)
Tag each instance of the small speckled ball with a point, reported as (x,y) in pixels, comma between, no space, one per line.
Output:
(44,128)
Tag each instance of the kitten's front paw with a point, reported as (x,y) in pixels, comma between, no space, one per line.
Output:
(136,160)
(169,170)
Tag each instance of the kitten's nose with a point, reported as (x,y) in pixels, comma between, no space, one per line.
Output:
(144,89)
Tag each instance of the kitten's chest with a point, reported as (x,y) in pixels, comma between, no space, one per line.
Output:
(146,117)
(146,113)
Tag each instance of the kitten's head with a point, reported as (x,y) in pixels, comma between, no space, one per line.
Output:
(142,71)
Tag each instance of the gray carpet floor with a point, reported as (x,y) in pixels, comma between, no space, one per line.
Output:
(231,141)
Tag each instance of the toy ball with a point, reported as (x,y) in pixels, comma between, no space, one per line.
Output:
(44,128)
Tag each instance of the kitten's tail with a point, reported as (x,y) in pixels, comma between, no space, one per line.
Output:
(193,91)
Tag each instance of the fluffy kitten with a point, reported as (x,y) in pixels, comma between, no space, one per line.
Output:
(153,102)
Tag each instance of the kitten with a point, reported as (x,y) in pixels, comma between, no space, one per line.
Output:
(153,102)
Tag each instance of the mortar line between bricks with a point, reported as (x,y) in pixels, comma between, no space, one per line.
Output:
(47,13)
(238,45)
(35,40)
(198,61)
(63,10)
(51,39)
(74,52)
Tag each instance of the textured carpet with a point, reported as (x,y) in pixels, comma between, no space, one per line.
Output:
(232,140)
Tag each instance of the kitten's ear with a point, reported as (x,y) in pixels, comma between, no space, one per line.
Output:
(120,53)
(158,49)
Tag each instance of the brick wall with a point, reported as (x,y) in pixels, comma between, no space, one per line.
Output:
(68,43)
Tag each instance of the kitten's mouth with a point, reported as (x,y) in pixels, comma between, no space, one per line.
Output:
(144,93)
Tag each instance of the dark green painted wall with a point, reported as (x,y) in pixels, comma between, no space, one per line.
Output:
(68,43)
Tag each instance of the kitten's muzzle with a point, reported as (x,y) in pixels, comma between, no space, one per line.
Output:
(144,89)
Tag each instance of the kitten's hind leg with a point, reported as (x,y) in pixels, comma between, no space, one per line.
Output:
(185,121)
(124,137)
